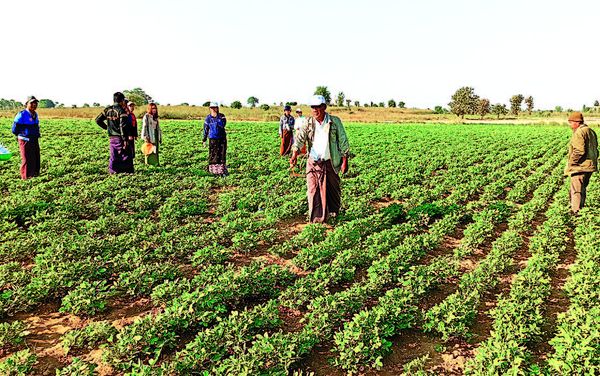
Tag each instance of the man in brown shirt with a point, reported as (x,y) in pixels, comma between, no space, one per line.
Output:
(582,160)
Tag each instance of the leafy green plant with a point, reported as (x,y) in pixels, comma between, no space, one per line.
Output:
(78,367)
(20,363)
(89,337)
(143,279)
(87,298)
(12,334)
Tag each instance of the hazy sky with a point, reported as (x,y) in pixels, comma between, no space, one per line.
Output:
(192,51)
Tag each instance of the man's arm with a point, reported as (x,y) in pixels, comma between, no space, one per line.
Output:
(578,144)
(124,125)
(101,121)
(17,127)
(205,131)
(300,138)
(280,127)
(299,141)
(343,144)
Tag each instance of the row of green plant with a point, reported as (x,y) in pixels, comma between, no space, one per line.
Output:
(454,315)
(577,341)
(328,312)
(519,317)
(365,339)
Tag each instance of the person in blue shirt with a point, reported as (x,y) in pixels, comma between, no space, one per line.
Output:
(26,127)
(214,131)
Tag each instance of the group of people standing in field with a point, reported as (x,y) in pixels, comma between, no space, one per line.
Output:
(321,138)
(120,122)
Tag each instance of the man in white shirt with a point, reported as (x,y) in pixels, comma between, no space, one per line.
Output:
(328,150)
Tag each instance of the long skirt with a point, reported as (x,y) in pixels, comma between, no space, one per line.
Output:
(217,153)
(286,142)
(121,158)
(324,190)
(30,158)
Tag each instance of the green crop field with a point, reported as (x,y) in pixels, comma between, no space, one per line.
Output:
(454,253)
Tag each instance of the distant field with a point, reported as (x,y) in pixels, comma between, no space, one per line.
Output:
(353,114)
(454,253)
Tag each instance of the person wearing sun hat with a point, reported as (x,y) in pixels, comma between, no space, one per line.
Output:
(286,131)
(582,159)
(328,150)
(214,131)
(26,127)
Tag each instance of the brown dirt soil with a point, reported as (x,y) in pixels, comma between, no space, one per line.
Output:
(45,329)
(291,319)
(47,326)
(384,202)
(288,228)
(288,264)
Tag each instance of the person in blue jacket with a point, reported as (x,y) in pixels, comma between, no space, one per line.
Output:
(27,129)
(214,130)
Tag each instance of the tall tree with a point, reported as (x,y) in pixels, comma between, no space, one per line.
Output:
(596,103)
(392,103)
(348,101)
(515,104)
(252,101)
(46,103)
(324,91)
(356,104)
(340,99)
(483,107)
(137,96)
(464,101)
(499,109)
(529,103)
(401,104)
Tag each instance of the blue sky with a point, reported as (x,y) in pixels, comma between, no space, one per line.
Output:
(419,52)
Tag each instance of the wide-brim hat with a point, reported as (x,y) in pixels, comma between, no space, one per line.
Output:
(213,104)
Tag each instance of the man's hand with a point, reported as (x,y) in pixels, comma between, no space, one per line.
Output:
(344,168)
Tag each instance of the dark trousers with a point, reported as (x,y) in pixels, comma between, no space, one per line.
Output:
(579,183)
(121,157)
(30,158)
(324,190)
